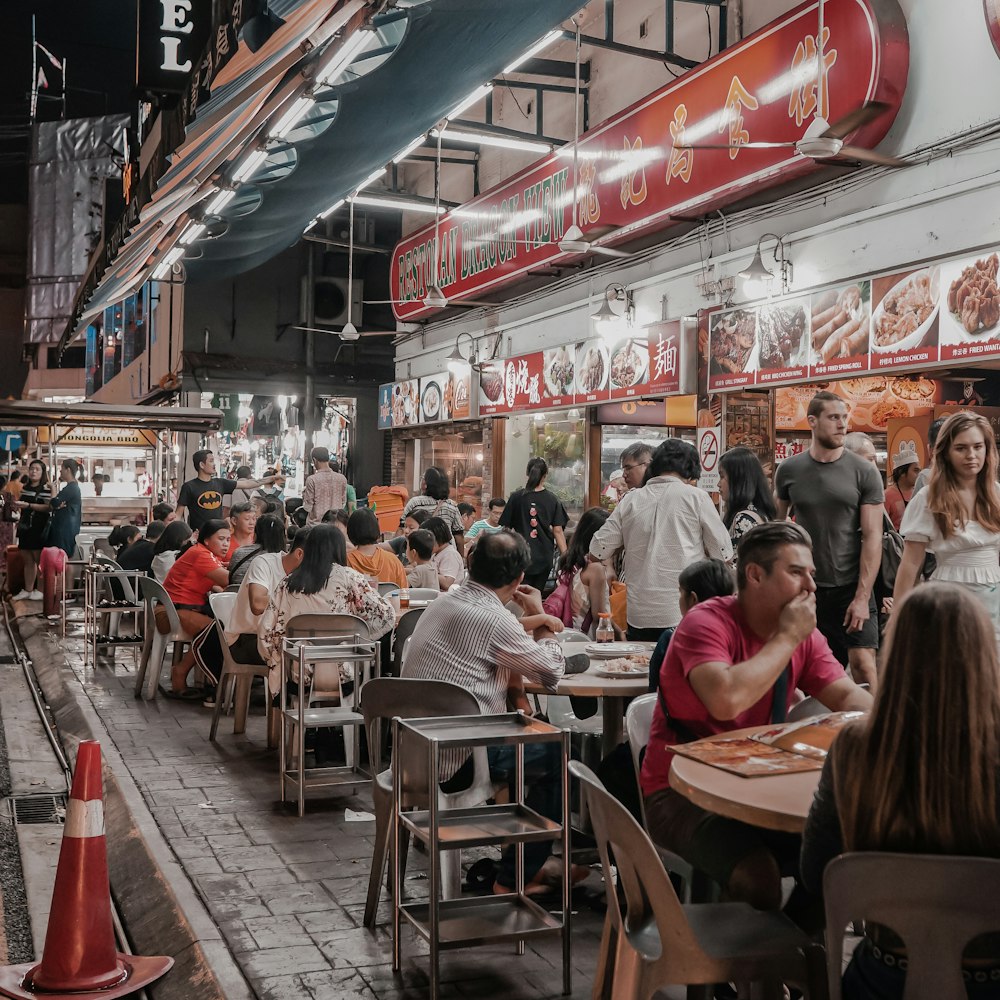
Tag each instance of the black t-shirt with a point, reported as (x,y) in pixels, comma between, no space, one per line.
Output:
(203,499)
(533,514)
(137,556)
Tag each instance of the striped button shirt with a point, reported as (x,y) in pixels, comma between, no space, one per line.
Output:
(469,638)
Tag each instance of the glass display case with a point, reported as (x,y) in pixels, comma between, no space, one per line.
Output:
(561,439)
(615,438)
(459,451)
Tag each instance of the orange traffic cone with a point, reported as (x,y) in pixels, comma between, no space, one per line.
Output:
(80,959)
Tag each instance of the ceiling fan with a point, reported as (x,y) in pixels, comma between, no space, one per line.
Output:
(435,297)
(350,332)
(823,140)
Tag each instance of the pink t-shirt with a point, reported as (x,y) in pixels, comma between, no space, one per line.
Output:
(715,632)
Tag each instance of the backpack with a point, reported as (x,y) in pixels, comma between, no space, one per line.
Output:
(892,554)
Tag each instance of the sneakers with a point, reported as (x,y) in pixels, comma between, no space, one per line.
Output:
(24,595)
(35,595)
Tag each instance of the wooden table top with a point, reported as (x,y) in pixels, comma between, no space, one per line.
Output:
(590,684)
(774,801)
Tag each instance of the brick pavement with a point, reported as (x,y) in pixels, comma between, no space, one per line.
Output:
(287,893)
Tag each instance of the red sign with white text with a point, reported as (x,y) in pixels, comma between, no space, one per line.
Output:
(638,173)
(664,347)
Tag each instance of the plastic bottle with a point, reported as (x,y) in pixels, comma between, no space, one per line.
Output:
(605,631)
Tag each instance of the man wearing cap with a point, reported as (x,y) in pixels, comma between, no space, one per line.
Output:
(905,469)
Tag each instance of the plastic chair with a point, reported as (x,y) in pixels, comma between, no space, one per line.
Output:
(102,547)
(935,903)
(658,941)
(404,629)
(808,708)
(385,698)
(384,589)
(417,594)
(638,722)
(147,680)
(235,675)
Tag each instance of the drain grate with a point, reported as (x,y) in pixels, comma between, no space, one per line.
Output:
(31,809)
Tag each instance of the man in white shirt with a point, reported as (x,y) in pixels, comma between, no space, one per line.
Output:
(266,571)
(663,527)
(325,489)
(446,559)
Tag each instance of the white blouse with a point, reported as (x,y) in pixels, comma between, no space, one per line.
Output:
(970,555)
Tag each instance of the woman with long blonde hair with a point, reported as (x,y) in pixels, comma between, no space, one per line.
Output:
(920,774)
(958,516)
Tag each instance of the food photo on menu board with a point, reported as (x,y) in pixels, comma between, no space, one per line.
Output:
(628,366)
(970,308)
(841,326)
(431,399)
(905,317)
(559,374)
(491,384)
(733,355)
(783,339)
(405,403)
(592,371)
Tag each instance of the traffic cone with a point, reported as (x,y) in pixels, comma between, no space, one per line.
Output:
(79,959)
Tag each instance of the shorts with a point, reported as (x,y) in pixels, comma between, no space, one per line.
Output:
(831,606)
(711,843)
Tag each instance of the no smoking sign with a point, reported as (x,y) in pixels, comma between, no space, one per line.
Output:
(708,452)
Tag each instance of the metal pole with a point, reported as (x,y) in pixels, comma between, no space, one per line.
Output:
(309,403)
(34,70)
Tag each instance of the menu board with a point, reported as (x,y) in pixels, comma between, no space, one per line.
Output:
(593,371)
(446,396)
(665,354)
(559,375)
(928,315)
(872,401)
(628,359)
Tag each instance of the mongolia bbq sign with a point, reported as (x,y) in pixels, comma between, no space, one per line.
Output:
(643,170)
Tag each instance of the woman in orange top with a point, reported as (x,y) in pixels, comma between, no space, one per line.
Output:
(197,572)
(366,556)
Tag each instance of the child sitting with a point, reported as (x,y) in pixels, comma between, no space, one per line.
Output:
(419,550)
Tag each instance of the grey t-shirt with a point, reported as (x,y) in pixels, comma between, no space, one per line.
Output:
(923,479)
(826,498)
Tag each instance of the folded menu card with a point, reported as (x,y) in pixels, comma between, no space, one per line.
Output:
(781,749)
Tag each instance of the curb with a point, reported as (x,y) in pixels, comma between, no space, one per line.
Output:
(162,913)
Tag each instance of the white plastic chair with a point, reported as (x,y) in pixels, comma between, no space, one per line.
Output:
(125,582)
(416,593)
(155,645)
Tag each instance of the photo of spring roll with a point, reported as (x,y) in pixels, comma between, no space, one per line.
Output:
(841,318)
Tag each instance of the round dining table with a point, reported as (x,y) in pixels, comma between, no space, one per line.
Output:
(774,801)
(614,692)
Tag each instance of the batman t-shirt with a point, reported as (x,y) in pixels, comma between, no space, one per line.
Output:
(203,499)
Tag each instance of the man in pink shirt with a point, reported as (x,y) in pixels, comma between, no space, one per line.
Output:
(325,489)
(735,662)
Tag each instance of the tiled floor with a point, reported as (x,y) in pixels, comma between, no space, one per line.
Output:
(289,893)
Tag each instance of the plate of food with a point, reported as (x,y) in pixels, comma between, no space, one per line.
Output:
(491,382)
(907,311)
(559,370)
(611,650)
(624,666)
(973,302)
(430,400)
(840,323)
(734,342)
(780,331)
(629,361)
(593,372)
(917,390)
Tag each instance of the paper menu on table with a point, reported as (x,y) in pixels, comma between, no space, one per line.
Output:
(808,737)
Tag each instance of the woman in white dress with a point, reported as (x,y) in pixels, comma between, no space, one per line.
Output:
(958,516)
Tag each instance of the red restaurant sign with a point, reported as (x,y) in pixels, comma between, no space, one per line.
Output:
(633,178)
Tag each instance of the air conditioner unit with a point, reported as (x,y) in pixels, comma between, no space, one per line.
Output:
(330,301)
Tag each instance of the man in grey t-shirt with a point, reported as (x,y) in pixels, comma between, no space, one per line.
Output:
(838,498)
(924,476)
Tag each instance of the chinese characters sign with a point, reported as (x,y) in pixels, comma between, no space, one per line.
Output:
(643,166)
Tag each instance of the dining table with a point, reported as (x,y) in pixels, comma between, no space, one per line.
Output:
(614,692)
(773,801)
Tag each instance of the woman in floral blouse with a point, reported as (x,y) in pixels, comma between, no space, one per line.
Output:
(322,584)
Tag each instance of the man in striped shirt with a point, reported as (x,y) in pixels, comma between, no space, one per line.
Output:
(469,638)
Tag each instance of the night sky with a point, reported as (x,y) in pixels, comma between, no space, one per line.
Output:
(96,37)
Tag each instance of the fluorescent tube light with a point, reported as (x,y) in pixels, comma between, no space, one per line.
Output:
(342,58)
(292,116)
(488,139)
(406,150)
(219,202)
(477,95)
(371,178)
(333,208)
(191,233)
(400,203)
(249,166)
(542,43)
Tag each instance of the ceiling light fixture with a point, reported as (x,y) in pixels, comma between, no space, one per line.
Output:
(488,139)
(296,111)
(606,320)
(477,95)
(343,57)
(402,204)
(757,276)
(220,201)
(371,178)
(333,208)
(163,268)
(542,43)
(191,233)
(249,166)
(406,150)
